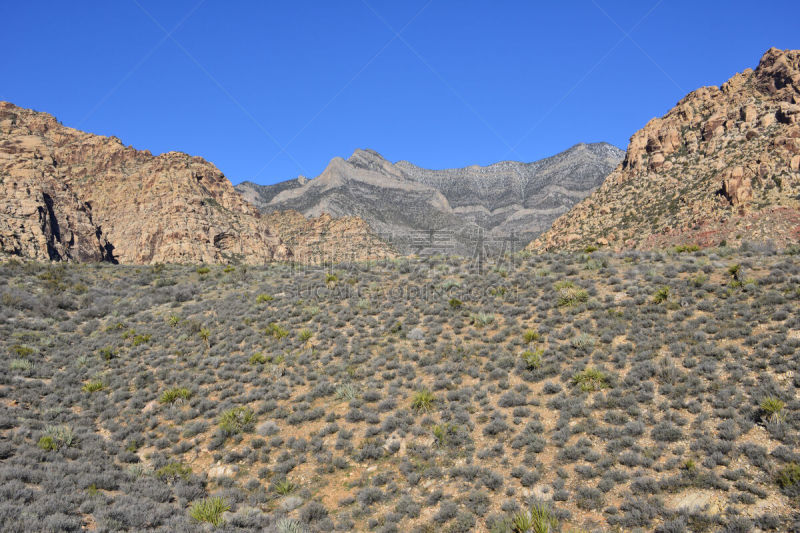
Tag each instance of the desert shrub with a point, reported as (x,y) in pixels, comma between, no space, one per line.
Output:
(173,395)
(788,476)
(569,295)
(56,438)
(283,487)
(531,336)
(173,472)
(539,518)
(237,420)
(209,510)
(305,335)
(772,408)
(481,319)
(93,386)
(661,295)
(590,379)
(532,358)
(276,332)
(423,401)
(257,358)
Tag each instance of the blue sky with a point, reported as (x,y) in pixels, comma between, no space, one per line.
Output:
(269,90)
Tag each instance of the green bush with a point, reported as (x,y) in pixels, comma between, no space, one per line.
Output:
(283,487)
(538,519)
(590,379)
(276,332)
(423,401)
(173,395)
(455,303)
(20,364)
(57,437)
(772,407)
(209,510)
(93,386)
(569,295)
(141,339)
(237,420)
(788,476)
(203,270)
(173,472)
(661,295)
(481,319)
(258,358)
(531,336)
(305,335)
(533,359)
(262,298)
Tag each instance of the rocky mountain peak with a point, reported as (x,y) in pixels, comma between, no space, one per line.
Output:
(368,159)
(721,166)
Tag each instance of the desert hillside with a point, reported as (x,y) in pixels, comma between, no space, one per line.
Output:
(723,166)
(634,392)
(75,196)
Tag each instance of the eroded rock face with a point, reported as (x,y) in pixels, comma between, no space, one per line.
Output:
(722,165)
(71,195)
(324,239)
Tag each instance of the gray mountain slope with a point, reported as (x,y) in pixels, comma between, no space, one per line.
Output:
(452,210)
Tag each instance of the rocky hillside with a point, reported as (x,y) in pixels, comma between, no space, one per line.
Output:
(423,210)
(720,167)
(71,195)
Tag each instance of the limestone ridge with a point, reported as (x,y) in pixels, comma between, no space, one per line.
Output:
(720,167)
(403,202)
(70,195)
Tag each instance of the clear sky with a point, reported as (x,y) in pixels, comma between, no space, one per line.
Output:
(270,90)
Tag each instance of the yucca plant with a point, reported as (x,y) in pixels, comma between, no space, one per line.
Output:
(93,386)
(237,420)
(173,395)
(283,487)
(423,400)
(661,295)
(772,407)
(590,379)
(533,358)
(209,510)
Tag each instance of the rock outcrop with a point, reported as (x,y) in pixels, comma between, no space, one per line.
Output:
(71,195)
(721,166)
(447,211)
(325,240)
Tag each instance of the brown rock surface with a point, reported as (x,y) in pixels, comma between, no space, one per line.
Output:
(71,195)
(720,166)
(324,239)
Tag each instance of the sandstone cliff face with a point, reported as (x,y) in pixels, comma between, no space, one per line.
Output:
(426,211)
(324,239)
(71,195)
(722,165)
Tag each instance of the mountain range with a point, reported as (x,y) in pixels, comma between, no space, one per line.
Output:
(419,210)
(721,167)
